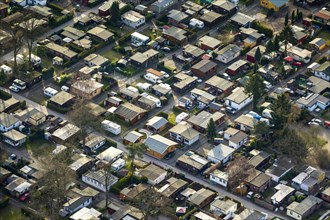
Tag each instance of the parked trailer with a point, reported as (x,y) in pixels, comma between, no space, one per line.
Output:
(111,127)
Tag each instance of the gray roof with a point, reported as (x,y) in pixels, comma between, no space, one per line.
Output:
(73,204)
(177,15)
(157,122)
(61,98)
(304,206)
(176,33)
(152,172)
(100,177)
(193,50)
(7,120)
(33,113)
(204,65)
(219,83)
(324,68)
(174,185)
(209,41)
(185,130)
(238,95)
(318,42)
(193,160)
(72,33)
(127,210)
(129,111)
(229,51)
(200,196)
(258,178)
(259,158)
(64,133)
(133,136)
(238,137)
(93,139)
(203,118)
(127,92)
(101,33)
(210,16)
(14,135)
(236,65)
(159,143)
(220,152)
(96,59)
(80,162)
(143,57)
(224,4)
(241,18)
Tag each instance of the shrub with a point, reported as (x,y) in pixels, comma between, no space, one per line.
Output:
(244,51)
(321,60)
(4,202)
(249,2)
(4,95)
(57,108)
(262,28)
(55,7)
(163,114)
(94,3)
(149,17)
(47,73)
(111,143)
(126,8)
(56,21)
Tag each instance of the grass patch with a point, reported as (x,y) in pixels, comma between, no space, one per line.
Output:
(325,35)
(11,212)
(112,55)
(326,114)
(39,147)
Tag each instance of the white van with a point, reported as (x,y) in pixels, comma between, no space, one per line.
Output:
(50,92)
(35,60)
(19,84)
(65,88)
(196,23)
(111,127)
(267,113)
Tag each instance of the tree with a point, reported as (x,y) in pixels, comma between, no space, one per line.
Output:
(261,131)
(107,172)
(31,28)
(255,67)
(286,20)
(238,170)
(151,203)
(3,77)
(82,117)
(293,17)
(258,55)
(288,36)
(211,130)
(276,43)
(58,175)
(115,12)
(289,143)
(270,46)
(135,150)
(17,37)
(281,110)
(255,87)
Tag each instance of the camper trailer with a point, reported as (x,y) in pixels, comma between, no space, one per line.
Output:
(196,23)
(138,39)
(50,92)
(181,117)
(111,127)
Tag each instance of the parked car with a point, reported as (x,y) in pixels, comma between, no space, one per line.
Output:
(317,121)
(24,197)
(250,195)
(13,156)
(166,49)
(169,155)
(231,110)
(14,88)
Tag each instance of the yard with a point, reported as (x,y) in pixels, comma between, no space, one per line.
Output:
(326,114)
(112,55)
(39,146)
(325,35)
(12,213)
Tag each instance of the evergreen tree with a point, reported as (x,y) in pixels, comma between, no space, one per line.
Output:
(293,17)
(270,46)
(257,55)
(276,43)
(211,130)
(286,20)
(115,12)
(256,88)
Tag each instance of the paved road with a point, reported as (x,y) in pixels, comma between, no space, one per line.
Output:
(248,204)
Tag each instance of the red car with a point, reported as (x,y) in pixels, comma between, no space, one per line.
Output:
(24,197)
(297,64)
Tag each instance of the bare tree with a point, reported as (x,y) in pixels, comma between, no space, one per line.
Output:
(17,37)
(151,203)
(107,172)
(238,170)
(54,182)
(82,117)
(32,28)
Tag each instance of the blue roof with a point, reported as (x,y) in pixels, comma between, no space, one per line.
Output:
(279,3)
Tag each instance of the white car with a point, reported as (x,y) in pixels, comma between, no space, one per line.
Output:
(313,123)
(14,88)
(316,120)
(250,195)
(226,76)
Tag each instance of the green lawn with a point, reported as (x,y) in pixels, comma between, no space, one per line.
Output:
(39,147)
(325,35)
(12,213)
(326,114)
(112,55)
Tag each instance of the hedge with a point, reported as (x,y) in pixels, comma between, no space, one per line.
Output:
(94,3)
(56,21)
(4,202)
(55,7)
(47,73)
(163,114)
(4,95)
(126,8)
(126,181)
(57,109)
(262,28)
(112,143)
